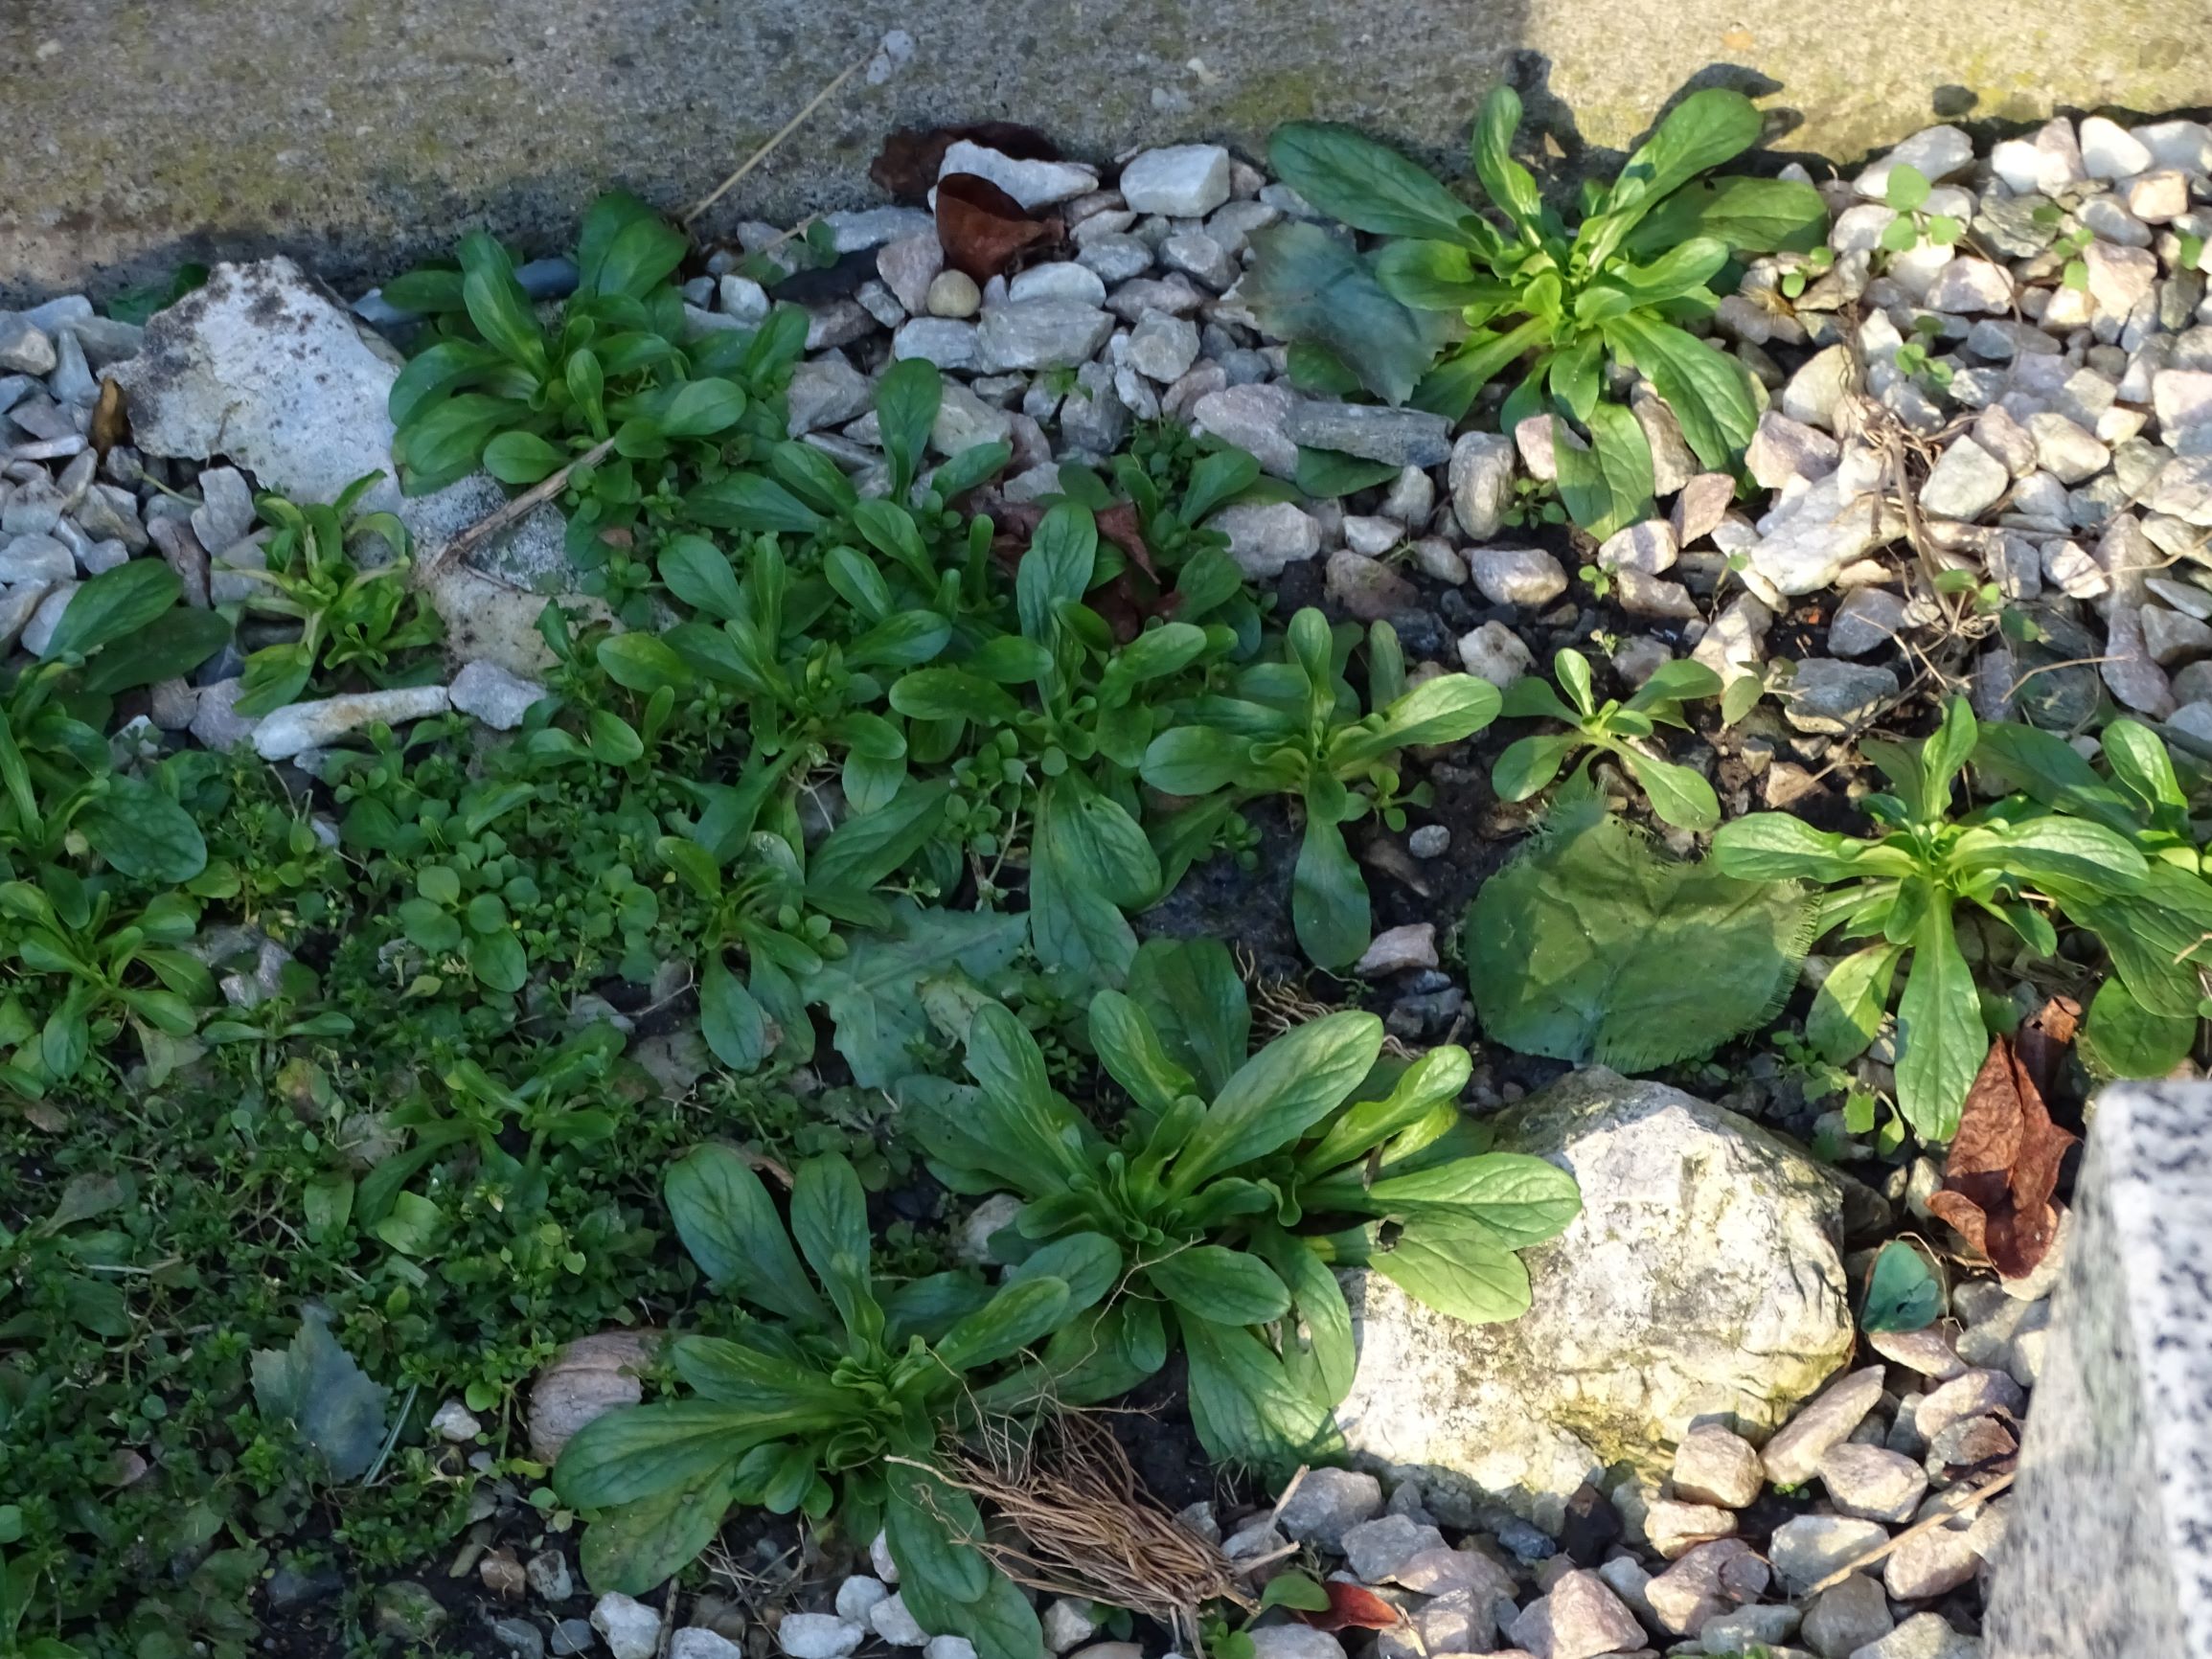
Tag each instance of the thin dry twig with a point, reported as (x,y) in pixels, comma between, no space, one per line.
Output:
(497,520)
(781,133)
(1979,1495)
(1083,1527)
(1280,1005)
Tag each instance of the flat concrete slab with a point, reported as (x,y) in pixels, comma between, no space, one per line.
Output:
(354,133)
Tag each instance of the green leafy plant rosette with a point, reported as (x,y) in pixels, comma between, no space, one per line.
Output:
(2010,860)
(829,1402)
(1679,795)
(1234,1186)
(1610,293)
(349,616)
(1293,727)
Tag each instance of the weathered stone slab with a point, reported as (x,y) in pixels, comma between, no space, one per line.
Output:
(144,136)
(2109,1550)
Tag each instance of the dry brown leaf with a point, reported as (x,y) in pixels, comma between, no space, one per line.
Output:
(910,159)
(2044,1041)
(110,422)
(2004,1162)
(984,231)
(1352,1607)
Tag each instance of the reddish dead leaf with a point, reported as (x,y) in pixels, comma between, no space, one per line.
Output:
(911,158)
(2044,1041)
(984,231)
(1127,603)
(2004,1166)
(1119,524)
(1353,1608)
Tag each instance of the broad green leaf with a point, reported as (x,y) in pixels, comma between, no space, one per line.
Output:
(1368,185)
(632,1548)
(929,1526)
(144,832)
(1706,129)
(1458,378)
(1508,183)
(114,605)
(625,248)
(642,1451)
(1679,795)
(1307,285)
(2138,759)
(1022,1312)
(1325,474)
(497,304)
(1227,1286)
(1774,845)
(1194,760)
(1217,480)
(2129,1041)
(749,501)
(867,847)
(169,647)
(2061,849)
(522,458)
(1751,215)
(1940,1036)
(1245,1406)
(643,662)
(317,1387)
(907,399)
(1279,1093)
(1088,860)
(1847,1009)
(1196,1004)
(1456,1266)
(732,1021)
(1589,947)
(1708,391)
(1089,1264)
(1329,905)
(873,993)
(1606,487)
(1133,1054)
(1516,1199)
(829,1225)
(2161,938)
(729,1224)
(1436,1079)
(1319,1352)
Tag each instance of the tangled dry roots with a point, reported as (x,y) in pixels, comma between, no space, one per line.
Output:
(1078,1525)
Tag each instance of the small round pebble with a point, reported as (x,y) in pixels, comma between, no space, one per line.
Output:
(1429,841)
(953,294)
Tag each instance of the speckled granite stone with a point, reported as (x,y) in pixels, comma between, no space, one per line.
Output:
(2109,1553)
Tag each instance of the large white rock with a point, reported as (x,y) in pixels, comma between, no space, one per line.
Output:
(1702,1283)
(263,366)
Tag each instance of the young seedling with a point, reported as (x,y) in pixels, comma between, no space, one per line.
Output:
(1679,795)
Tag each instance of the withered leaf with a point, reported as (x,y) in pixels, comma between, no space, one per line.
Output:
(2003,1167)
(984,231)
(110,420)
(1132,597)
(2044,1039)
(1120,525)
(1351,1608)
(908,162)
